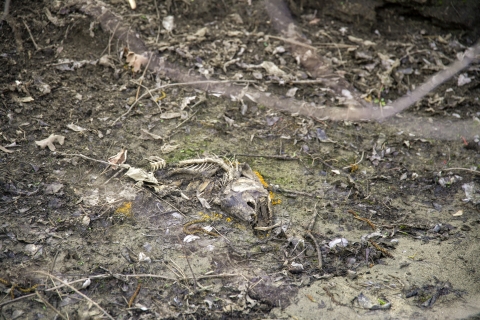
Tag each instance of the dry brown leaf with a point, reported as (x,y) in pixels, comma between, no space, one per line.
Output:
(136,61)
(145,135)
(49,142)
(118,159)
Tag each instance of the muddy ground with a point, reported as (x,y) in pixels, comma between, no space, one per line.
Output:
(371,220)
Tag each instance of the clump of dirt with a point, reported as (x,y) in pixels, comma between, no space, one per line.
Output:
(356,218)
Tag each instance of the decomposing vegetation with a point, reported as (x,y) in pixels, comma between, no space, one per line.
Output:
(237,159)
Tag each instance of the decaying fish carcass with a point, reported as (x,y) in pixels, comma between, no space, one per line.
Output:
(246,199)
(233,186)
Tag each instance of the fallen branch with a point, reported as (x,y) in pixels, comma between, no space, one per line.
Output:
(357,108)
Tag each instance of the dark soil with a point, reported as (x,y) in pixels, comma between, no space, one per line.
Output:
(403,193)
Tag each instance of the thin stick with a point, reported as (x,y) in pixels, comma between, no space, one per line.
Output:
(31,36)
(264,156)
(221,235)
(77,291)
(156,9)
(356,163)
(309,233)
(189,266)
(135,294)
(143,76)
(110,40)
(122,166)
(114,176)
(297,43)
(317,247)
(44,301)
(178,269)
(462,169)
(177,85)
(149,92)
(278,224)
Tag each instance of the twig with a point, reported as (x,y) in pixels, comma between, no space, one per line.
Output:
(177,85)
(309,233)
(317,247)
(135,294)
(292,193)
(77,291)
(44,301)
(221,235)
(202,99)
(189,266)
(143,76)
(265,156)
(110,40)
(355,164)
(384,251)
(291,41)
(312,222)
(338,48)
(31,36)
(356,216)
(113,177)
(122,166)
(278,224)
(462,169)
(148,90)
(156,9)
(178,269)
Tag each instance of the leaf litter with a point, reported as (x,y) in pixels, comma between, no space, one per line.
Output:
(266,272)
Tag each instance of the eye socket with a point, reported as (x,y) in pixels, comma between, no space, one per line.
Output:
(251,204)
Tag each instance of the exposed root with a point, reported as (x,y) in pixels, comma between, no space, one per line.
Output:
(357,109)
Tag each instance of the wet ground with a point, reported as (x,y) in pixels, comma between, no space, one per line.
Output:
(370,220)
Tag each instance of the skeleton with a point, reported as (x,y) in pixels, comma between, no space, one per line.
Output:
(246,199)
(239,193)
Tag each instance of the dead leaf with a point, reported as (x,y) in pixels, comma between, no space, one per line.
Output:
(145,135)
(118,159)
(291,92)
(106,61)
(5,150)
(136,60)
(49,142)
(141,175)
(76,128)
(56,21)
(167,148)
(168,23)
(170,115)
(272,69)
(53,188)
(186,101)
(203,201)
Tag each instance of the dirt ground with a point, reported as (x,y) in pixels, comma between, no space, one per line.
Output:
(374,220)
